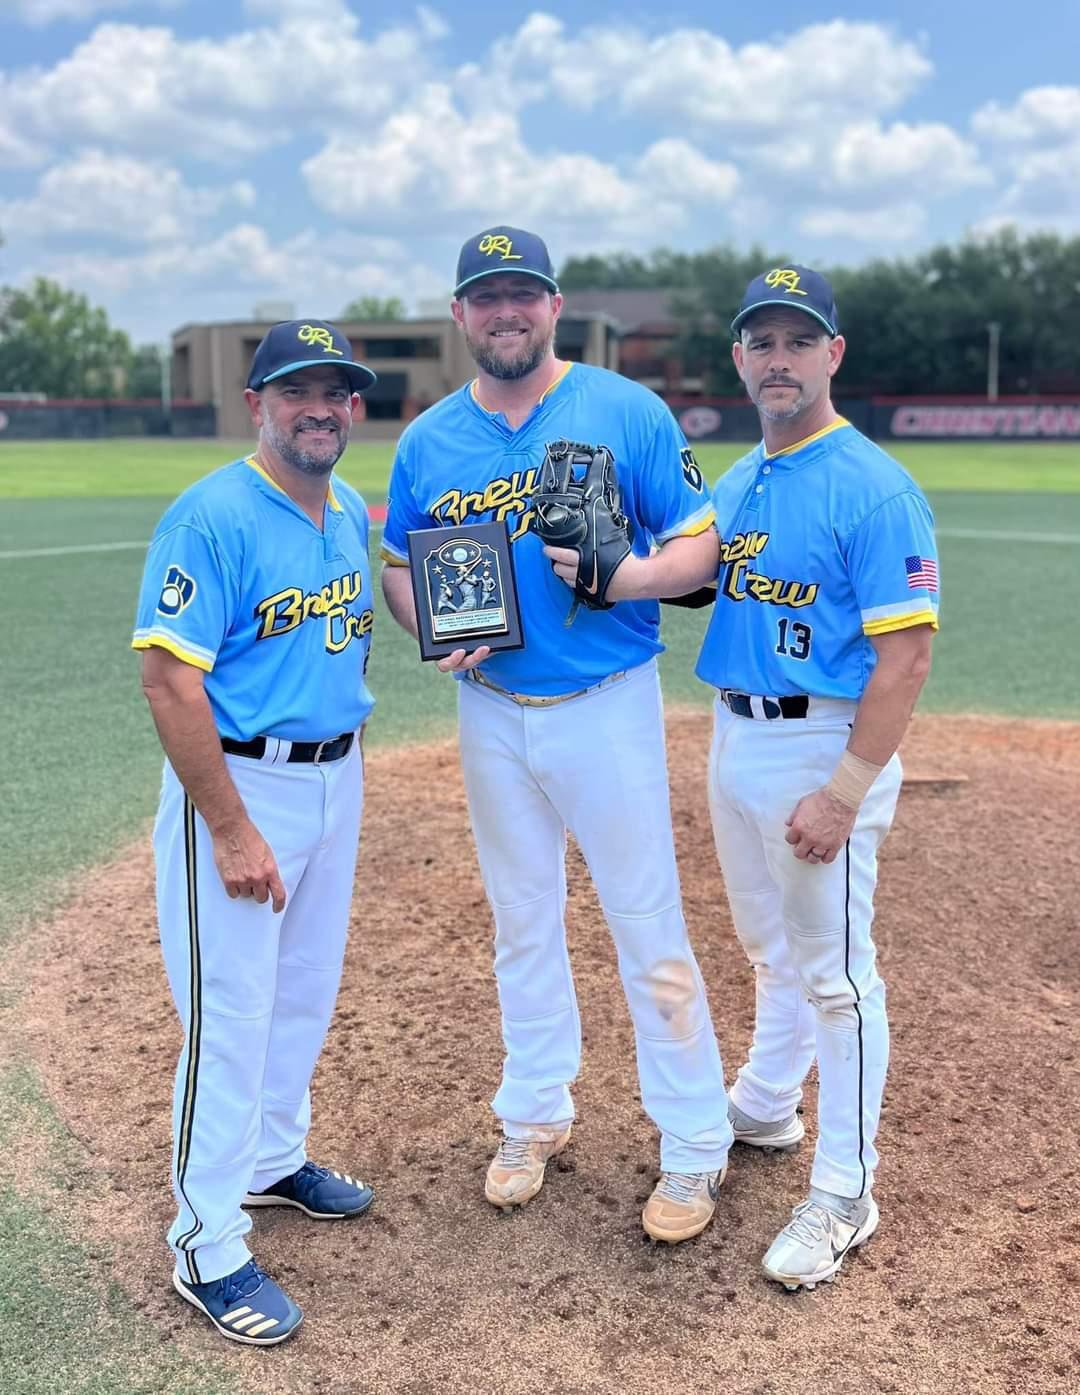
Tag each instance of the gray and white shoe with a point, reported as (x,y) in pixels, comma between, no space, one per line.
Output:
(812,1246)
(781,1136)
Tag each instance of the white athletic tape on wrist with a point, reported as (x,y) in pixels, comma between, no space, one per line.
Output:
(852,778)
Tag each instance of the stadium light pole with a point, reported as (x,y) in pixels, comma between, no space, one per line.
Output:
(993,329)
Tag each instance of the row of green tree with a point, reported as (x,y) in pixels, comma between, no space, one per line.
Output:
(912,325)
(53,341)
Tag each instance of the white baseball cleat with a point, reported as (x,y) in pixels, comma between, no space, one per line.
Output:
(811,1247)
(516,1173)
(782,1136)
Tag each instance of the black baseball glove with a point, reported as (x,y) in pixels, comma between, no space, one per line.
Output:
(578,505)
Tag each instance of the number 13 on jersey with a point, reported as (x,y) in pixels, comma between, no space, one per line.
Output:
(793,638)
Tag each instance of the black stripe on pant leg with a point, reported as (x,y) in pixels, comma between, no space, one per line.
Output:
(855,991)
(187,1110)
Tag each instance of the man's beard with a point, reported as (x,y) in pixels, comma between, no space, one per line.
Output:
(291,449)
(514,366)
(781,413)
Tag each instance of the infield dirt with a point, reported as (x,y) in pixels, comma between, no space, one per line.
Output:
(969,1285)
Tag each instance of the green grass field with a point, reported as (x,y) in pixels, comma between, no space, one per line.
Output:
(81,765)
(129,469)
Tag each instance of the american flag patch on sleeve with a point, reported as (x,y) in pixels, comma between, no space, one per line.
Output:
(921,573)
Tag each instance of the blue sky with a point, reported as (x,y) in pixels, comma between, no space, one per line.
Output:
(190,161)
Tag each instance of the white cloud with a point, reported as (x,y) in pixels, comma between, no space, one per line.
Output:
(694,76)
(891,224)
(867,155)
(1037,141)
(1042,115)
(676,169)
(16,152)
(143,88)
(117,197)
(434,155)
(229,274)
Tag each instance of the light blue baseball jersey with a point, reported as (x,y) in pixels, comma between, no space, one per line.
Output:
(459,463)
(240,583)
(822,545)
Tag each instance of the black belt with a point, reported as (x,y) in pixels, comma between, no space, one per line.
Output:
(300,752)
(771,708)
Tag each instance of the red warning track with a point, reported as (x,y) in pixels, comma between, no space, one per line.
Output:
(377,512)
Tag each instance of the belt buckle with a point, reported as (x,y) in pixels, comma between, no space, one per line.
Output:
(317,757)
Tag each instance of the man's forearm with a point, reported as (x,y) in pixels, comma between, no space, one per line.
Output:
(680,566)
(185,725)
(397,588)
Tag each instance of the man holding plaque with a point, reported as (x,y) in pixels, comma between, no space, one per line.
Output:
(564,731)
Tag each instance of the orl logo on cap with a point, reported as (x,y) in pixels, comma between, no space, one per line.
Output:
(786,277)
(176,593)
(314,334)
(498,245)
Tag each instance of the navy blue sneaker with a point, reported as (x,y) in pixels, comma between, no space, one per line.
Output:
(245,1307)
(319,1193)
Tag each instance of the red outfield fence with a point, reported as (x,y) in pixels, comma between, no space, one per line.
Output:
(901,418)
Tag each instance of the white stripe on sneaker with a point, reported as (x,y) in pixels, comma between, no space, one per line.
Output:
(262,1327)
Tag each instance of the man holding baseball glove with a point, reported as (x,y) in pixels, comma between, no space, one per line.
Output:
(566,734)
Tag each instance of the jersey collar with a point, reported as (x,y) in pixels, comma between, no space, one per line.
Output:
(331,497)
(556,382)
(797,446)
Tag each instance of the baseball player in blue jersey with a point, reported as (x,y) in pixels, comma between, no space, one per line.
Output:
(819,644)
(567,733)
(254,622)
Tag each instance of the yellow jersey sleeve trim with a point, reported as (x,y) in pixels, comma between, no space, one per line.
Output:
(901,622)
(817,435)
(701,526)
(173,648)
(392,559)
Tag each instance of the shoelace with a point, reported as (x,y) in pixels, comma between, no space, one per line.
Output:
(513,1152)
(809,1224)
(681,1186)
(310,1175)
(244,1283)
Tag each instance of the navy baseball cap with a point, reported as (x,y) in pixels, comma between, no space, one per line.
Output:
(797,287)
(504,249)
(295,344)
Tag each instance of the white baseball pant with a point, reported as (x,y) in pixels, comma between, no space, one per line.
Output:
(255,991)
(595,765)
(806,929)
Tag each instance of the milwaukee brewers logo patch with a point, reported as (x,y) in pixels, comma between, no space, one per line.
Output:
(691,470)
(176,592)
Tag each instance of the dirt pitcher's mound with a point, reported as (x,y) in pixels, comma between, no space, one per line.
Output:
(970,1284)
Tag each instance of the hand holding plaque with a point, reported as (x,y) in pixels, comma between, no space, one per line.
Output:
(464,588)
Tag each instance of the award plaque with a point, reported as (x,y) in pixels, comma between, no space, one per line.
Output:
(464,589)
